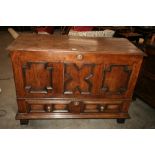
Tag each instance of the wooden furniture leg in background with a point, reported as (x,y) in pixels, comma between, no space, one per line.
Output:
(121,120)
(24,122)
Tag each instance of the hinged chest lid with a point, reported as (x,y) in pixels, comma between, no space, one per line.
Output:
(36,42)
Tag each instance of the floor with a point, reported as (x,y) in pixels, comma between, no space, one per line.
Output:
(142,116)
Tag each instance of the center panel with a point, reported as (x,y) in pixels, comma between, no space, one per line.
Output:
(78,78)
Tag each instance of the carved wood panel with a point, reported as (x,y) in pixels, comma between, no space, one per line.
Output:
(78,78)
(116,78)
(37,77)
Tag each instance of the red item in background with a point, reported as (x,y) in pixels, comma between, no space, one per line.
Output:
(48,29)
(82,28)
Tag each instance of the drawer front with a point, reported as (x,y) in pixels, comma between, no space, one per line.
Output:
(75,75)
(70,106)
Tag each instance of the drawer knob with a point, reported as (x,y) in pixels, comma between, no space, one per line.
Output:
(102,108)
(48,108)
(79,57)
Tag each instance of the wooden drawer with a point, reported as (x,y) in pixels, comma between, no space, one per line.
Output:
(70,106)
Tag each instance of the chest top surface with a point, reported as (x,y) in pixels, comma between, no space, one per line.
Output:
(36,42)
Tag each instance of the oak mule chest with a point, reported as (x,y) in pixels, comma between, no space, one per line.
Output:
(72,77)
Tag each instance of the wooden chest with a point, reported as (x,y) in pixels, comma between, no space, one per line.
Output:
(69,77)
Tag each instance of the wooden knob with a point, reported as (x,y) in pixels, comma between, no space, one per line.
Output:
(48,108)
(102,108)
(79,57)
